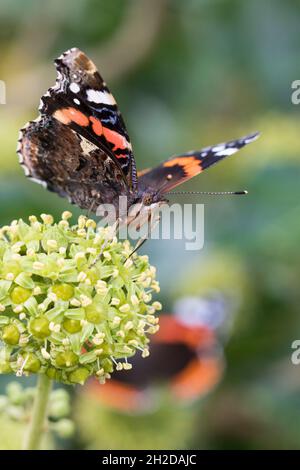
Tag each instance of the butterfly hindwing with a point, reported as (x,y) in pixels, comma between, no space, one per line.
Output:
(66,163)
(178,169)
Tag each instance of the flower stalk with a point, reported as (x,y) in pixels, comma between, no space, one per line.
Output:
(37,423)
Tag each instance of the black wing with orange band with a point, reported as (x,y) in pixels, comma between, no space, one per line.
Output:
(81,100)
(187,358)
(178,169)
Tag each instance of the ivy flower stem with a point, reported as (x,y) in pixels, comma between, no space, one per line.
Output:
(36,426)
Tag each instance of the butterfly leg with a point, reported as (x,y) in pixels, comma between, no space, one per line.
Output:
(151,228)
(91,209)
(115,228)
(138,245)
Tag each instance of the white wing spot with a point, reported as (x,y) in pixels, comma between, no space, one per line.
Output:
(218,148)
(74,87)
(226,151)
(20,156)
(36,180)
(102,97)
(76,101)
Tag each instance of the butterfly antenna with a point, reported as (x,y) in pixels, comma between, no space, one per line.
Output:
(211,193)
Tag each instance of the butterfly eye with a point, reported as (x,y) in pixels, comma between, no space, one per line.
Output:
(147,199)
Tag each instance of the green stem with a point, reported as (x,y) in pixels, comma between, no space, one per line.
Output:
(37,423)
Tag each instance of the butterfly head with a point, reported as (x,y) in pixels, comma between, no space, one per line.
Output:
(149,197)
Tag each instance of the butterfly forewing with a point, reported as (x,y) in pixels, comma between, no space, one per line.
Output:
(81,100)
(178,169)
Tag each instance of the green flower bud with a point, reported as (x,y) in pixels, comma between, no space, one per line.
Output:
(79,376)
(107,365)
(66,359)
(19,295)
(31,363)
(11,334)
(53,373)
(95,313)
(72,326)
(39,327)
(63,291)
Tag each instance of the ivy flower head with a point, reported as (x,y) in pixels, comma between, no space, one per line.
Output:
(73,304)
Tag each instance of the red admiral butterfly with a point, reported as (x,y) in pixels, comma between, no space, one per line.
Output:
(187,358)
(79,147)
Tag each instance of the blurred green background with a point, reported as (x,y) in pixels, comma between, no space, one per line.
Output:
(188,74)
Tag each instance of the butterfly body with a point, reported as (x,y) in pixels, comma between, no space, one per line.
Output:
(79,146)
